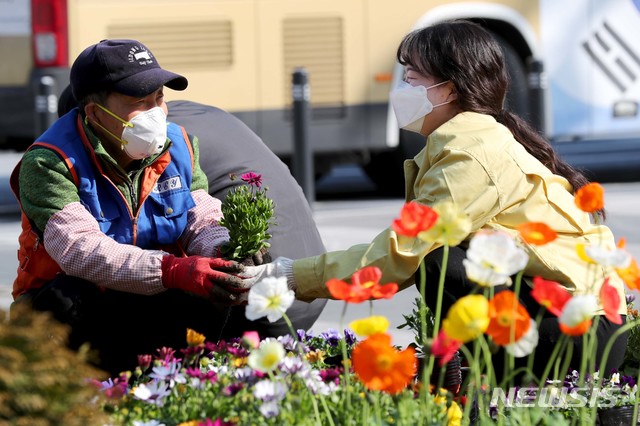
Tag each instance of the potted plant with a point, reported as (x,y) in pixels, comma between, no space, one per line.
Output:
(248,213)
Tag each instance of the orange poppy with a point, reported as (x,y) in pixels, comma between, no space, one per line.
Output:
(550,294)
(536,233)
(414,219)
(503,317)
(365,285)
(630,275)
(610,300)
(577,330)
(382,367)
(590,198)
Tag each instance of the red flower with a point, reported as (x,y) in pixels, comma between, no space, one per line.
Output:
(444,347)
(369,277)
(414,218)
(610,300)
(590,198)
(536,233)
(341,290)
(550,294)
(365,285)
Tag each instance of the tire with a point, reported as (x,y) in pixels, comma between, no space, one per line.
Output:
(386,169)
(518,93)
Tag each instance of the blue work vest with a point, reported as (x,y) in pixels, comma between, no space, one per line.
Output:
(164,190)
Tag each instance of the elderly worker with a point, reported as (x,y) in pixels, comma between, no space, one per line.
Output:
(228,146)
(120,236)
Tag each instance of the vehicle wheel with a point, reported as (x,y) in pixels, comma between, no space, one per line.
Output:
(518,93)
(386,169)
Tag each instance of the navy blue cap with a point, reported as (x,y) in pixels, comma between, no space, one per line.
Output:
(123,66)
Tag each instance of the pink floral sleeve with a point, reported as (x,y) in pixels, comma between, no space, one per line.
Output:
(74,240)
(203,234)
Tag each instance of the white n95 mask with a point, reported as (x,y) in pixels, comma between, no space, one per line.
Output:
(411,105)
(147,134)
(144,135)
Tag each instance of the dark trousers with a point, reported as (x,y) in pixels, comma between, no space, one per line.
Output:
(119,326)
(457,285)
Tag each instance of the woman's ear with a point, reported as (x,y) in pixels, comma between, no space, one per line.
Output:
(453,93)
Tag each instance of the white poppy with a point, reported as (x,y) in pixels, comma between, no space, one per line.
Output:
(493,257)
(578,309)
(270,297)
(526,344)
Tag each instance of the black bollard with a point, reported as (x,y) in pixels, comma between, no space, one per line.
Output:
(302,161)
(537,82)
(46,104)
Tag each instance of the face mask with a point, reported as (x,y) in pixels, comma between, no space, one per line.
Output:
(144,135)
(411,105)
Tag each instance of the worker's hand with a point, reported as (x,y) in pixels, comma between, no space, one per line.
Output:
(281,267)
(222,281)
(258,258)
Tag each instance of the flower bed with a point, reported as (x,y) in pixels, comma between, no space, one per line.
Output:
(357,377)
(336,379)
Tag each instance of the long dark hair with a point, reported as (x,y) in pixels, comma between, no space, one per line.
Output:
(467,54)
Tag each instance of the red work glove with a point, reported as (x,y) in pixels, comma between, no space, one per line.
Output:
(208,277)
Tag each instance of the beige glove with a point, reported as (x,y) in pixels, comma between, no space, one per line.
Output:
(281,267)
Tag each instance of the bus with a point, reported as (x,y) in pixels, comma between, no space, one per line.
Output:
(574,67)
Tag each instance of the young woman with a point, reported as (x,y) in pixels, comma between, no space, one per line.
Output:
(487,161)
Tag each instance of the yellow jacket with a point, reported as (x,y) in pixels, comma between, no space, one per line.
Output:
(476,162)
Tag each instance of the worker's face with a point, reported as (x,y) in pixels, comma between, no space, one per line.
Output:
(110,120)
(126,107)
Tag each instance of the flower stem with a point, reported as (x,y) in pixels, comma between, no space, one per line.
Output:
(510,359)
(532,355)
(427,368)
(316,411)
(554,354)
(438,313)
(301,352)
(293,333)
(345,359)
(326,410)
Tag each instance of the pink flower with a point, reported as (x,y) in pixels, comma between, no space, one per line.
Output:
(144,361)
(444,347)
(252,179)
(217,422)
(251,339)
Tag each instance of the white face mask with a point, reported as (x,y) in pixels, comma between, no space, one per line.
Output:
(411,105)
(144,135)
